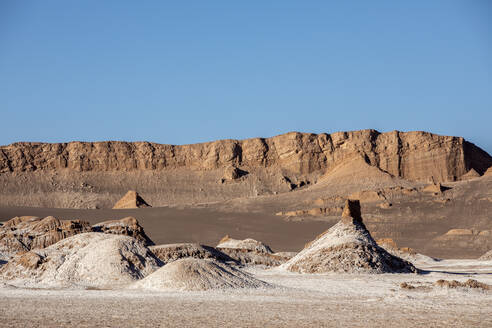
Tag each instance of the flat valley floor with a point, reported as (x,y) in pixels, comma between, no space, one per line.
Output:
(329,300)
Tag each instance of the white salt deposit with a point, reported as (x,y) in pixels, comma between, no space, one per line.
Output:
(84,260)
(198,274)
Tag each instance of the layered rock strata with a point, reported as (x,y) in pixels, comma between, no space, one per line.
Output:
(411,155)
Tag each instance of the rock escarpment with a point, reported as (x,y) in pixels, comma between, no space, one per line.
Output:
(411,155)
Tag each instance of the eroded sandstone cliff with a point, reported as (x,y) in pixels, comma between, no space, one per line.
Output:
(418,156)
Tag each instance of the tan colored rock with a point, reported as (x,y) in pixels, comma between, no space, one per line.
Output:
(367,196)
(351,210)
(128,226)
(318,211)
(487,256)
(488,172)
(460,232)
(25,233)
(472,174)
(131,200)
(347,247)
(411,155)
(434,188)
(232,173)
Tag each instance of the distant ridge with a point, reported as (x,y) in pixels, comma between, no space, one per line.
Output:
(416,156)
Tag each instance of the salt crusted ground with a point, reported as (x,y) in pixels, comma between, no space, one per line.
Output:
(302,301)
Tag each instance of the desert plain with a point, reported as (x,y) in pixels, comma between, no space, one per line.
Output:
(354,229)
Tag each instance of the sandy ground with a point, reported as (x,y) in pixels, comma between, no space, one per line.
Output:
(168,225)
(300,301)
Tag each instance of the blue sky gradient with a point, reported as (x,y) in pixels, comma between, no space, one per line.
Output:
(192,71)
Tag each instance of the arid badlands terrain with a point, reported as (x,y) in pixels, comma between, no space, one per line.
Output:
(354,229)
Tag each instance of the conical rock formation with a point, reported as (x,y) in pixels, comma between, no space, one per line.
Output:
(131,200)
(198,274)
(347,247)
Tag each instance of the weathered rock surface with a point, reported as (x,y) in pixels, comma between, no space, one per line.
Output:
(472,174)
(131,200)
(246,244)
(173,252)
(128,226)
(84,260)
(347,247)
(250,252)
(24,233)
(487,256)
(198,274)
(411,155)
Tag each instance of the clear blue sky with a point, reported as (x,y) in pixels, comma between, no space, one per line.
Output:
(191,71)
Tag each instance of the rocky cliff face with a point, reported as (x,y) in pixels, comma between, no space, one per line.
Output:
(417,156)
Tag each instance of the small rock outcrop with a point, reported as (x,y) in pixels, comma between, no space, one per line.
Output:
(198,274)
(24,233)
(173,252)
(85,260)
(128,226)
(232,173)
(131,200)
(251,252)
(472,174)
(347,247)
(435,188)
(246,244)
(487,256)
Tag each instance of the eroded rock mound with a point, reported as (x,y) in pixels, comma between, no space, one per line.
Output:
(250,252)
(131,200)
(470,283)
(472,174)
(246,244)
(127,226)
(85,260)
(347,247)
(24,233)
(487,256)
(172,252)
(198,274)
